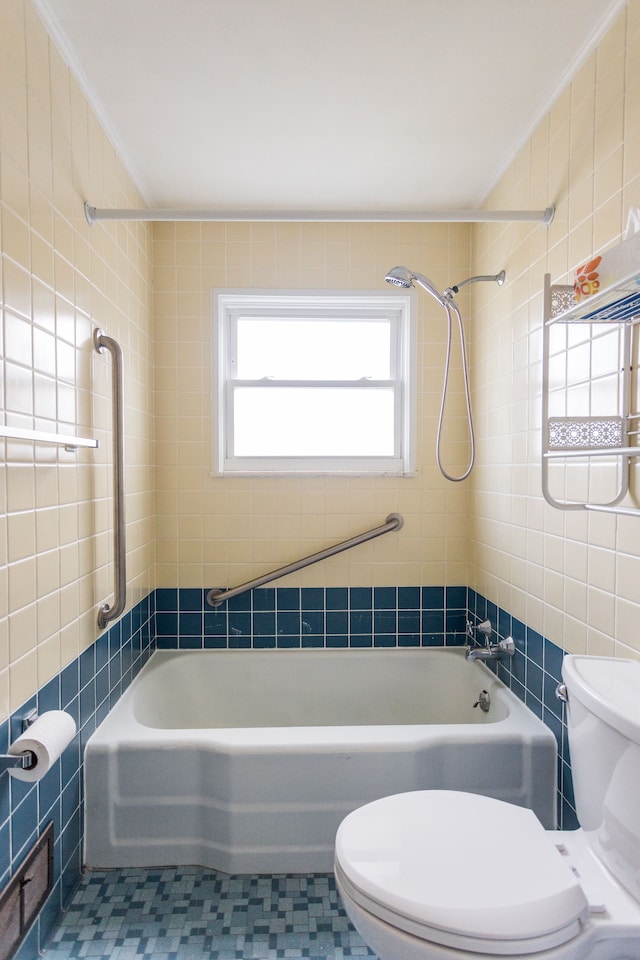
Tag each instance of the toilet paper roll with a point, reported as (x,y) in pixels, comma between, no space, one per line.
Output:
(47,737)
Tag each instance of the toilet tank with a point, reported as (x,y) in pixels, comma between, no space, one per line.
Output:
(603,721)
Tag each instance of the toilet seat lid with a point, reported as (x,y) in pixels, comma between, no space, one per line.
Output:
(462,865)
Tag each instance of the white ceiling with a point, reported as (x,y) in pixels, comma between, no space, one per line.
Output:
(262,105)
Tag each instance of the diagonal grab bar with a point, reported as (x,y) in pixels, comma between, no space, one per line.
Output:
(106,613)
(393,522)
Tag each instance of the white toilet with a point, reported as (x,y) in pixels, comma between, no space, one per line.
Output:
(445,875)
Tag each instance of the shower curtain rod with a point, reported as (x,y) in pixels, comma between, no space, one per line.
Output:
(94,214)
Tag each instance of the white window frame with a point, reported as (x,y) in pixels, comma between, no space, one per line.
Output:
(230,305)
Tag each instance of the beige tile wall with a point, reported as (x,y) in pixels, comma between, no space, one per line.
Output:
(59,279)
(224,531)
(574,576)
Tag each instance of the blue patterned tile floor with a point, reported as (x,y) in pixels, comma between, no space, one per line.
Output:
(187,913)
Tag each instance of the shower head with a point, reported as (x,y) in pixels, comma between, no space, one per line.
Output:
(399,276)
(402,277)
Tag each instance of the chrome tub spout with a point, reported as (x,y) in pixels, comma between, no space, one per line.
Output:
(492,651)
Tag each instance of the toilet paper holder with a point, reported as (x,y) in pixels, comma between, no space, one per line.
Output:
(26,760)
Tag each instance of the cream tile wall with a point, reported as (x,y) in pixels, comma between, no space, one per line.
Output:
(224,531)
(573,576)
(59,279)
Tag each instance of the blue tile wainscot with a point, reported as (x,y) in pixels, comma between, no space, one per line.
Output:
(283,617)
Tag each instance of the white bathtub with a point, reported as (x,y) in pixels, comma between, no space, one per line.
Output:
(247,761)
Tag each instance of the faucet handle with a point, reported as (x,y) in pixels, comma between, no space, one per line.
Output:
(507,646)
(483,628)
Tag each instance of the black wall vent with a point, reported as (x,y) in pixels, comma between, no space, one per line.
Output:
(25,894)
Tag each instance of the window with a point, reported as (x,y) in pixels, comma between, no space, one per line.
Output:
(312,383)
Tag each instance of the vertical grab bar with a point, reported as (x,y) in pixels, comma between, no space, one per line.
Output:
(107,613)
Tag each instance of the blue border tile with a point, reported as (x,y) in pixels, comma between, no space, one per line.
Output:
(361,598)
(433,598)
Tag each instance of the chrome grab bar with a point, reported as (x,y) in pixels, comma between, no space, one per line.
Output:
(107,613)
(393,522)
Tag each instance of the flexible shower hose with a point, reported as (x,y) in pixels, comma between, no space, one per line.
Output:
(449,305)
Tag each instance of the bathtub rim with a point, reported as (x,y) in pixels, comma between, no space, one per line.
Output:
(121,726)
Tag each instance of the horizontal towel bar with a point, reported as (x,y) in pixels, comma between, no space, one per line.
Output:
(593,452)
(43,436)
(393,522)
(604,508)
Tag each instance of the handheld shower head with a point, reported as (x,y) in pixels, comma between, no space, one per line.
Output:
(402,277)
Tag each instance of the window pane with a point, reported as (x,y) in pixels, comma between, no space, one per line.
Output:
(313,422)
(313,349)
